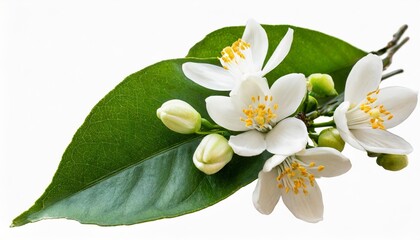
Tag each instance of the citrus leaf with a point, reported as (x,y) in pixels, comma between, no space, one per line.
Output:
(124,166)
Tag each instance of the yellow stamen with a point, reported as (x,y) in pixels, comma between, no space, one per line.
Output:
(295,176)
(376,112)
(259,113)
(230,53)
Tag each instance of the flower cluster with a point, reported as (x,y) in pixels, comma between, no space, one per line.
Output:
(256,117)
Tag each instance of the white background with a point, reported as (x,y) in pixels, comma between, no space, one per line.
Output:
(59,58)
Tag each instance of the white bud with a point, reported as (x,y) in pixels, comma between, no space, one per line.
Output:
(212,154)
(179,116)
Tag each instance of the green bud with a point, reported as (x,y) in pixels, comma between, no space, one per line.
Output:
(312,104)
(212,154)
(322,85)
(392,162)
(179,116)
(330,137)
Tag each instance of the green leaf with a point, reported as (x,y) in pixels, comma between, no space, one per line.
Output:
(124,166)
(311,51)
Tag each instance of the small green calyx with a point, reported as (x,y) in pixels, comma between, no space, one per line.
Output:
(330,137)
(311,104)
(392,162)
(321,85)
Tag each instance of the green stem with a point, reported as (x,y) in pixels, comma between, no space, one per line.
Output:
(208,125)
(218,131)
(323,124)
(313,135)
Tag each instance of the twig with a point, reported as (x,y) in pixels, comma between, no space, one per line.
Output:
(388,60)
(393,73)
(393,42)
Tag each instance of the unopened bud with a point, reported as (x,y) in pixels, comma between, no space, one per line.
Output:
(212,154)
(179,116)
(392,162)
(312,104)
(322,85)
(330,137)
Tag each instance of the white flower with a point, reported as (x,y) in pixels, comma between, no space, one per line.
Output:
(264,114)
(367,111)
(243,59)
(293,178)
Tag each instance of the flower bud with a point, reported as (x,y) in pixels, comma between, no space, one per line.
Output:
(179,116)
(312,104)
(330,137)
(212,154)
(392,162)
(322,85)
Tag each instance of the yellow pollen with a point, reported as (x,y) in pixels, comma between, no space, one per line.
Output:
(259,113)
(236,50)
(376,112)
(295,176)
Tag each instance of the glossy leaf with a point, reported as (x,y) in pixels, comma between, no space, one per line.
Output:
(124,166)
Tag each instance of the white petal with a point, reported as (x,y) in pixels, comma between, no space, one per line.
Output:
(209,76)
(266,193)
(248,144)
(309,207)
(382,141)
(280,53)
(334,162)
(223,112)
(363,78)
(287,138)
(256,36)
(273,162)
(399,101)
(288,92)
(340,120)
(251,87)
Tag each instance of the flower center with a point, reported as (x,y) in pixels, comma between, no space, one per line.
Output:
(234,53)
(259,114)
(377,113)
(294,175)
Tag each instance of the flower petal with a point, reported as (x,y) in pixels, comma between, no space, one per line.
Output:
(364,77)
(266,193)
(307,207)
(273,162)
(340,120)
(242,94)
(382,141)
(248,144)
(399,101)
(209,76)
(333,161)
(288,92)
(256,36)
(280,53)
(224,113)
(287,138)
